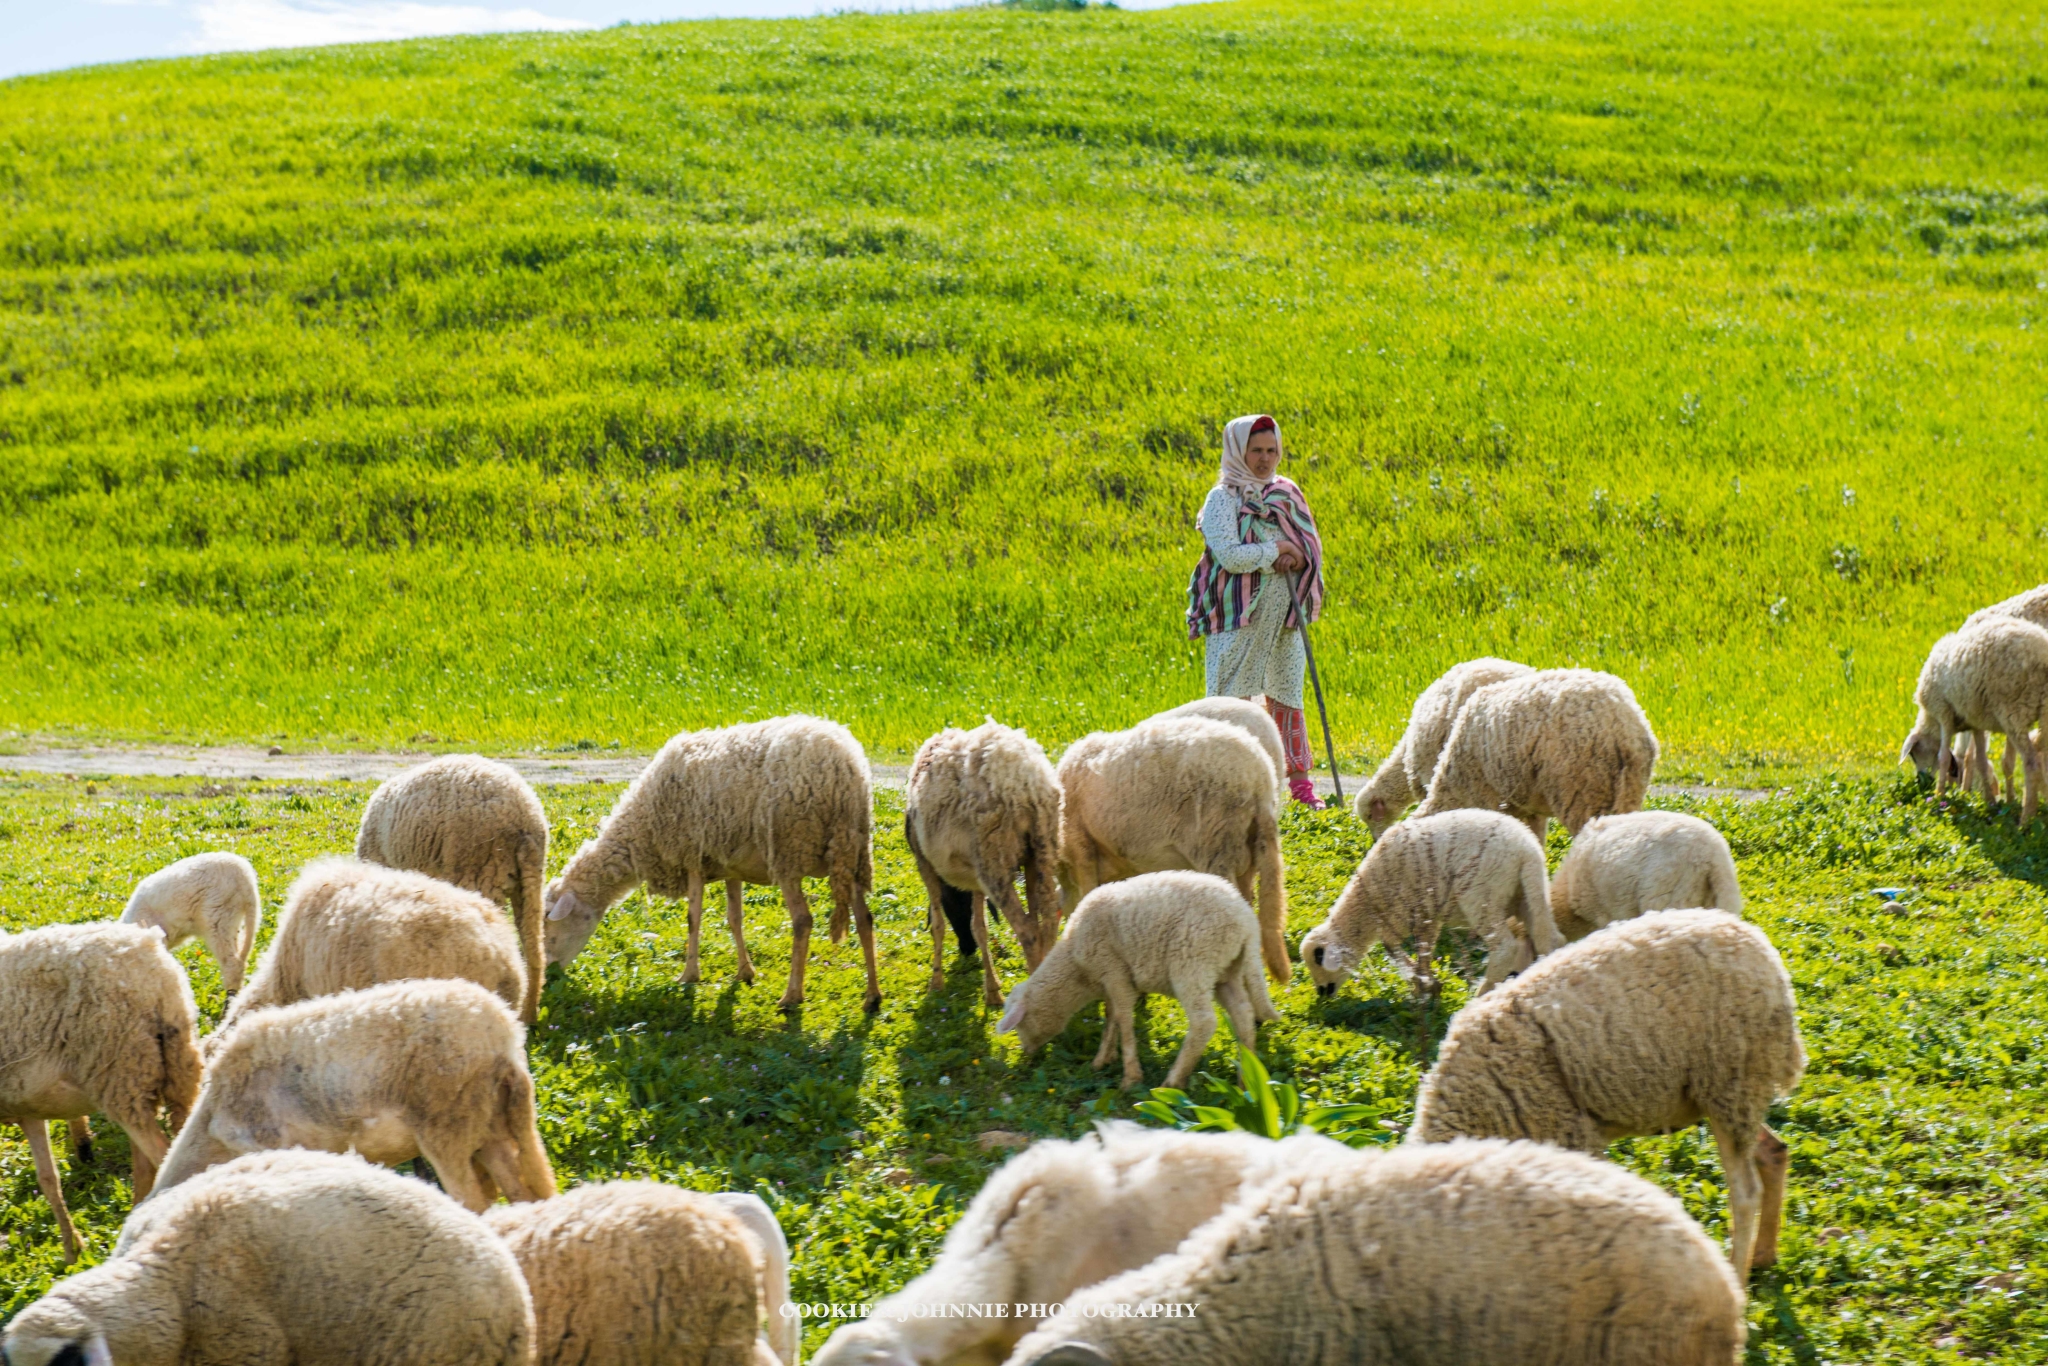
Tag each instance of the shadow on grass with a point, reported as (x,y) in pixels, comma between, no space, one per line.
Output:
(1783,1328)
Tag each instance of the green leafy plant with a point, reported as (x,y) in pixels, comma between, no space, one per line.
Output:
(1259,1105)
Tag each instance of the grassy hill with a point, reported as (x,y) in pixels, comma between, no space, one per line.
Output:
(537,389)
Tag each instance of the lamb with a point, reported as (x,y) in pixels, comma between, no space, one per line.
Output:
(1422,1256)
(1478,868)
(95,1017)
(1403,776)
(289,1258)
(212,897)
(1189,935)
(1989,676)
(1177,792)
(348,925)
(1623,865)
(1253,720)
(433,1068)
(770,802)
(1565,743)
(980,805)
(1644,1027)
(2031,605)
(636,1273)
(476,823)
(1057,1217)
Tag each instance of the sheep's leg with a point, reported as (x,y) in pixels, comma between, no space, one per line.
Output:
(1244,1024)
(799,940)
(1943,757)
(845,892)
(1773,1159)
(1021,925)
(1119,1025)
(38,1132)
(2005,762)
(1201,1012)
(1539,826)
(457,1172)
(991,985)
(1738,1145)
(692,970)
(1980,761)
(935,897)
(736,926)
(81,1141)
(147,1148)
(2030,756)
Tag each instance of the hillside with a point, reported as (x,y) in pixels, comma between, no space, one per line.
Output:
(539,389)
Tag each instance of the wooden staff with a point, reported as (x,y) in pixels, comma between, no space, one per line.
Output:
(1329,745)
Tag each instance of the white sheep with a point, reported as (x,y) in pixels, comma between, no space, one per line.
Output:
(1403,776)
(1253,720)
(95,1017)
(1188,935)
(770,802)
(476,823)
(784,1333)
(1569,744)
(636,1273)
(1645,1027)
(1177,792)
(212,897)
(348,925)
(1473,1252)
(1639,861)
(980,805)
(1476,868)
(1992,675)
(289,1258)
(433,1068)
(1055,1218)
(2031,605)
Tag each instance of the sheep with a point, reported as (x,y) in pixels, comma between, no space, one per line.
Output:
(1623,865)
(784,1333)
(1565,743)
(770,802)
(348,925)
(636,1273)
(212,897)
(289,1258)
(1251,718)
(1059,1216)
(981,804)
(1989,676)
(1440,1256)
(476,823)
(1177,792)
(431,1068)
(95,1017)
(1189,935)
(1478,868)
(2031,605)
(1644,1027)
(1403,776)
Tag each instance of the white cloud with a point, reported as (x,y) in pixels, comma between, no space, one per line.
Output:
(240,25)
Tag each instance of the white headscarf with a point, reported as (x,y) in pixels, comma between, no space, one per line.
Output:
(1234,474)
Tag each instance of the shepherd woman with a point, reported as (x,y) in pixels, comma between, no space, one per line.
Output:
(1257,531)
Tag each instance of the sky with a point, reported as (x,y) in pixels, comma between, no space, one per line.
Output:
(47,35)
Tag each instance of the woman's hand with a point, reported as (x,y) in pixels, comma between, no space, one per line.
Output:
(1290,560)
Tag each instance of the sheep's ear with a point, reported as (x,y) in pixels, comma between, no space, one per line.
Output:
(1073,1354)
(1013,1011)
(563,906)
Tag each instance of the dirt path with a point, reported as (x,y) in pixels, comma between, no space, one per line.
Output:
(230,762)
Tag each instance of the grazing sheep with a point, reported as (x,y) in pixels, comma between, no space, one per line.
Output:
(95,1017)
(1441,1256)
(1565,743)
(212,897)
(980,805)
(770,802)
(1623,865)
(1403,776)
(476,823)
(1055,1218)
(1645,1027)
(1188,935)
(2031,605)
(348,925)
(636,1273)
(1179,792)
(289,1258)
(1251,718)
(1478,868)
(1991,675)
(433,1069)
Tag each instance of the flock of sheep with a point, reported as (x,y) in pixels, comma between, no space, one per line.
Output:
(1623,995)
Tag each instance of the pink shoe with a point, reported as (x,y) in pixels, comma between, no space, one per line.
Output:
(1305,792)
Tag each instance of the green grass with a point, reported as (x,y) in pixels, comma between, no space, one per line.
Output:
(1919,1138)
(537,388)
